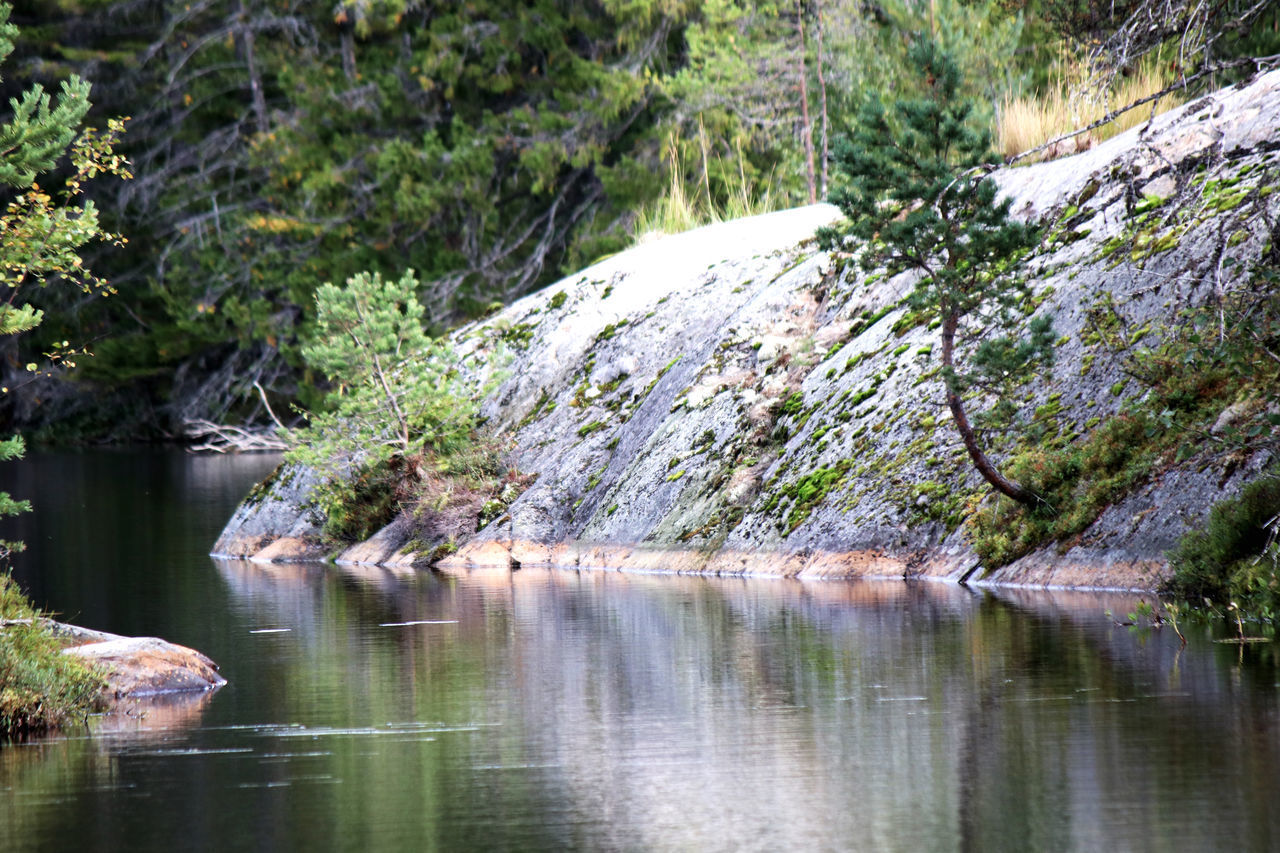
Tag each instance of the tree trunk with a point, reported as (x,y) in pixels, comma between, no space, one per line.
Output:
(251,64)
(347,34)
(822,100)
(980,461)
(806,128)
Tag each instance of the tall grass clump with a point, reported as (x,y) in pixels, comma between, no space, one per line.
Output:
(1024,122)
(683,207)
(40,688)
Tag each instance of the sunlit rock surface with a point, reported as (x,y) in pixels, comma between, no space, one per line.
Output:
(680,402)
(138,667)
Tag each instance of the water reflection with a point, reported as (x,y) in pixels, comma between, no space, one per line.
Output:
(113,536)
(556,709)
(156,717)
(694,713)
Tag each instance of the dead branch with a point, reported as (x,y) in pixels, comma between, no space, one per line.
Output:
(208,437)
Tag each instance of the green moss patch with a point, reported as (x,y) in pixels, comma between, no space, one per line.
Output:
(807,492)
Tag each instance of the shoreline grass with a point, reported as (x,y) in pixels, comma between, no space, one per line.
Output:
(40,688)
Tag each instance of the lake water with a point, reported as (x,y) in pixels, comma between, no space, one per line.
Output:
(551,710)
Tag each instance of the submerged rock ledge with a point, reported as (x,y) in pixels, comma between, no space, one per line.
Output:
(734,401)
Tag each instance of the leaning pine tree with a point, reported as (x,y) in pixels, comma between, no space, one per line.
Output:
(916,192)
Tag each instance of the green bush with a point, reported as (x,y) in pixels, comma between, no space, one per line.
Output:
(362,503)
(399,412)
(1236,556)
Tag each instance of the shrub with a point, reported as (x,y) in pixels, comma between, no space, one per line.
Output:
(1236,555)
(399,411)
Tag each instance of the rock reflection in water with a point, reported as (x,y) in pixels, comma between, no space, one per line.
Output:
(158,717)
(558,709)
(697,712)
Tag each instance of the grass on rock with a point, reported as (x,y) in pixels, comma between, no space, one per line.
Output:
(40,688)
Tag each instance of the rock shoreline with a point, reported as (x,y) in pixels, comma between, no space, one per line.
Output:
(1119,573)
(734,401)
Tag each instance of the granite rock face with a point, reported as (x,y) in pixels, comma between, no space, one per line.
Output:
(147,666)
(733,400)
(274,521)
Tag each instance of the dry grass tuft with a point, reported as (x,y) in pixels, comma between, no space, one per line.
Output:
(680,210)
(1022,123)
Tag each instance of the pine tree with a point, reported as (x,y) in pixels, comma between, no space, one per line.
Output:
(41,235)
(395,388)
(917,193)
(11,448)
(397,407)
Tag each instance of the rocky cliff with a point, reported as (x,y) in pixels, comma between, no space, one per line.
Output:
(733,400)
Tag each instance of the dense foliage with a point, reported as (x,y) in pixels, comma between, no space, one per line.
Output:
(280,145)
(490,146)
(397,412)
(1236,557)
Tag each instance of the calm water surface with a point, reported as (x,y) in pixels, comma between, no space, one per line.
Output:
(550,710)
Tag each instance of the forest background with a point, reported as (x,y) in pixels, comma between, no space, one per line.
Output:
(490,146)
